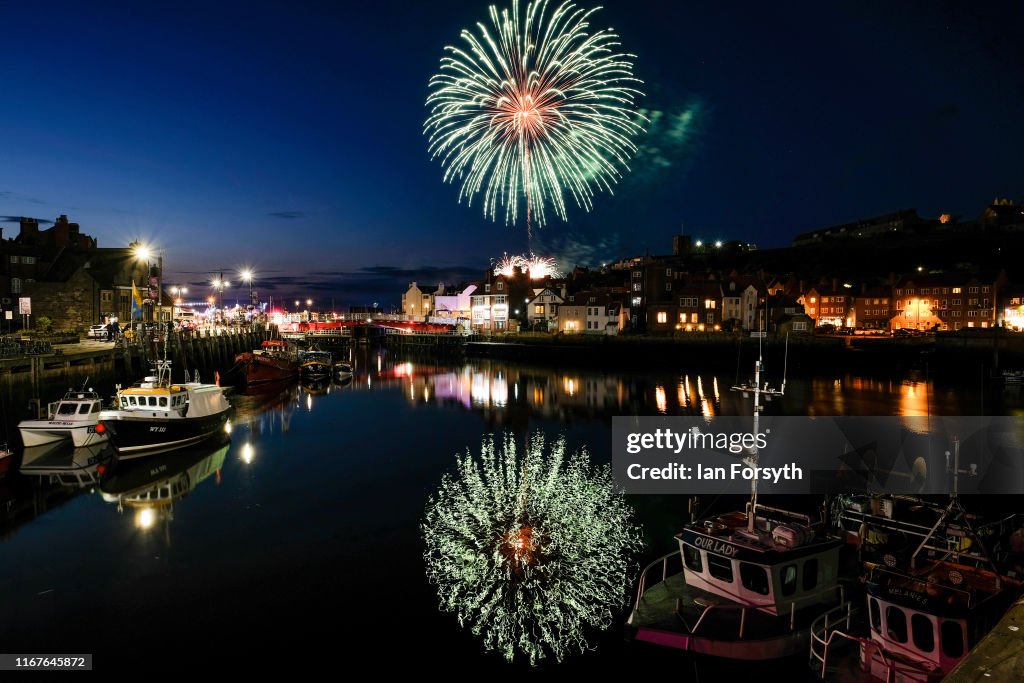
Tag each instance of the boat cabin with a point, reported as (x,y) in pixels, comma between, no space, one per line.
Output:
(149,395)
(776,565)
(928,621)
(76,405)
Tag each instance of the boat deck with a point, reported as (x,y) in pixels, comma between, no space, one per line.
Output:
(673,614)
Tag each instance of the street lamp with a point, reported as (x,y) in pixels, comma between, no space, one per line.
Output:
(219,283)
(247,277)
(144,253)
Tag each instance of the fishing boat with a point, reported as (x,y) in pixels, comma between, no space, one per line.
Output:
(316,364)
(933,589)
(74,417)
(157,414)
(743,585)
(343,371)
(273,362)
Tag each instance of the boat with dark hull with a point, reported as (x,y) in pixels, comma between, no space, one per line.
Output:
(272,363)
(316,364)
(157,415)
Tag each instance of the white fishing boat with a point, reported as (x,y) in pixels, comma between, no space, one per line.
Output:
(74,417)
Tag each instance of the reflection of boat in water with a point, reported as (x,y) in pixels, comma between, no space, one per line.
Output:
(73,417)
(62,464)
(316,386)
(150,486)
(157,414)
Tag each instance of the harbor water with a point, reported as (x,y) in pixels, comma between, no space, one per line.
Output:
(298,536)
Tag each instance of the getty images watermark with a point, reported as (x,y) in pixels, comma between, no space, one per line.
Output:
(693,455)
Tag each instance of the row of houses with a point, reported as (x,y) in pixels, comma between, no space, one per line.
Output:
(653,295)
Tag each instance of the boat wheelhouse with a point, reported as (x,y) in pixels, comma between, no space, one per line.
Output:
(316,364)
(745,585)
(74,417)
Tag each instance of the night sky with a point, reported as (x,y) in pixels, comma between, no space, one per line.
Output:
(289,139)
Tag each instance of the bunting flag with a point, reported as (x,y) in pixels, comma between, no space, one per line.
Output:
(136,302)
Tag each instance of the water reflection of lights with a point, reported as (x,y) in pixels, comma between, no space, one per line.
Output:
(569,384)
(660,399)
(681,394)
(248,453)
(379,362)
(309,401)
(715,385)
(145,518)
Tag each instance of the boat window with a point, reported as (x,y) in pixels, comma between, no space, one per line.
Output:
(163,401)
(83,409)
(923,632)
(124,401)
(152,401)
(876,615)
(789,579)
(754,578)
(692,557)
(810,574)
(95,407)
(952,639)
(67,409)
(720,567)
(896,624)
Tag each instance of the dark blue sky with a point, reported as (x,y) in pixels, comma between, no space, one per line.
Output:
(289,138)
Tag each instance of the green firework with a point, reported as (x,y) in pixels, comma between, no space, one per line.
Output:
(532,553)
(533,108)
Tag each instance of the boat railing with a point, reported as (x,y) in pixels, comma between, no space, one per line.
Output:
(827,637)
(710,607)
(663,564)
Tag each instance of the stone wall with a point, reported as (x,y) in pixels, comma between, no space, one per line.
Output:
(72,305)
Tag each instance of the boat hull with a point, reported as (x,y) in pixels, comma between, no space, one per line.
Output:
(41,432)
(256,369)
(136,437)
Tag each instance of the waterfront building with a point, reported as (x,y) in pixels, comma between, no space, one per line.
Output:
(829,306)
(590,312)
(740,300)
(418,301)
(945,302)
(542,308)
(872,309)
(1013,310)
(456,305)
(67,277)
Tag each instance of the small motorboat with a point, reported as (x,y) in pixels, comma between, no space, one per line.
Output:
(73,417)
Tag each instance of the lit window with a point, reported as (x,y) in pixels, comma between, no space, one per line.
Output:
(662,317)
(539,309)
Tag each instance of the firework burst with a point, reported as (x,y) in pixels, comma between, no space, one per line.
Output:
(532,108)
(539,267)
(532,553)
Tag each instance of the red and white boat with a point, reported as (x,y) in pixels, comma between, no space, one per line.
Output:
(274,362)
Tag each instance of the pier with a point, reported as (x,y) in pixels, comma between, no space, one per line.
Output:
(207,350)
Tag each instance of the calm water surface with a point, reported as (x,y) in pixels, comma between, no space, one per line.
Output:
(298,538)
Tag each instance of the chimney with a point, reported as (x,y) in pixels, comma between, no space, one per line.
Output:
(835,284)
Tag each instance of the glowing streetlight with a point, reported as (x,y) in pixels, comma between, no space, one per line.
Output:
(144,253)
(699,243)
(718,244)
(246,276)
